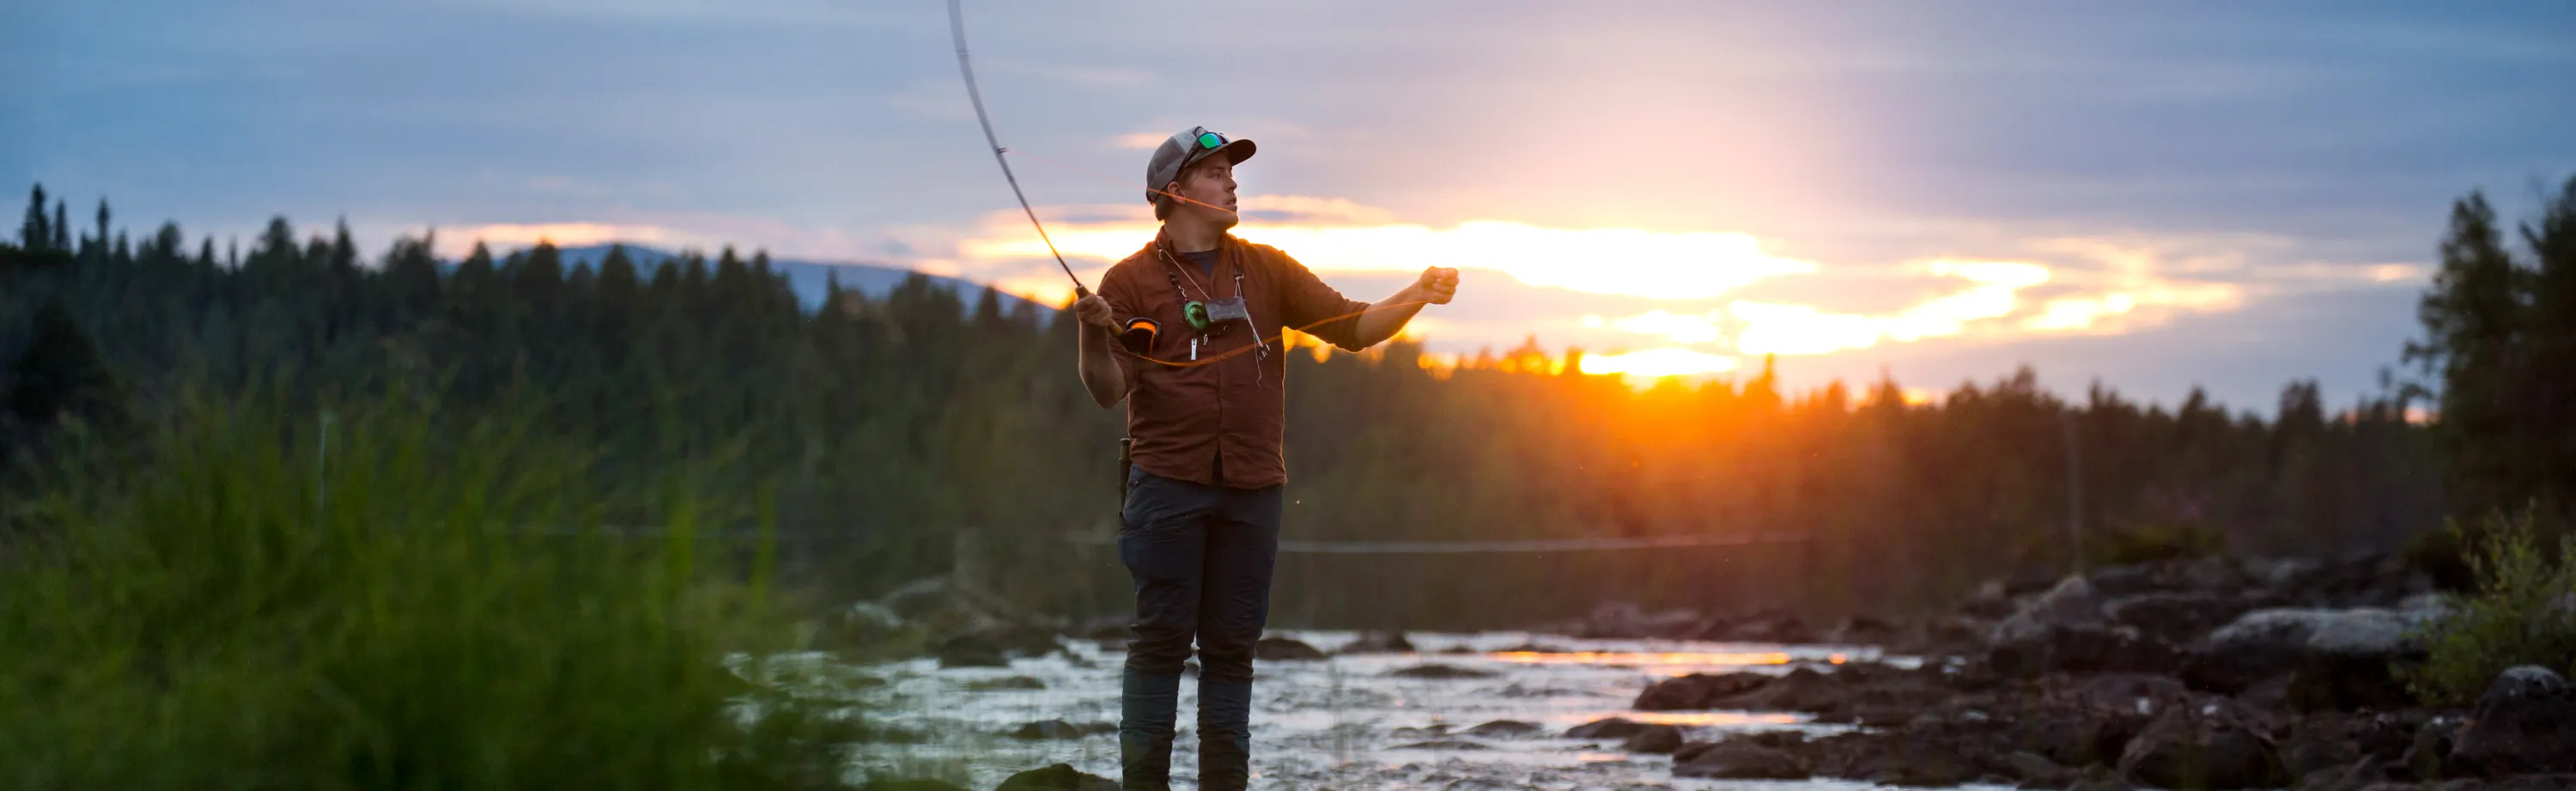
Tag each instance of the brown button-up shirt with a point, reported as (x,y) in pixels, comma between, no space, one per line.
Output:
(1229,418)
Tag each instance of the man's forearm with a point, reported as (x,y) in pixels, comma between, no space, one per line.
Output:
(1103,374)
(1388,316)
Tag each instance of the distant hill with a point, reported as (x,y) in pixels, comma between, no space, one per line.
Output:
(808,277)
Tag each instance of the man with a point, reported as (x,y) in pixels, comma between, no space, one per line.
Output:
(1207,411)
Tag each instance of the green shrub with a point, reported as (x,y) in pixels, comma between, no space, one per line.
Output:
(2523,611)
(2443,557)
(426,602)
(2159,541)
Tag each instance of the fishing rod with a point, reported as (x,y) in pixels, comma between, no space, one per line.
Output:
(957,28)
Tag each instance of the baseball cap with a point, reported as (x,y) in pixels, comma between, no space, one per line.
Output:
(1182,150)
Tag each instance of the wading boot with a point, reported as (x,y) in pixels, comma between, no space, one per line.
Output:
(1148,708)
(1225,734)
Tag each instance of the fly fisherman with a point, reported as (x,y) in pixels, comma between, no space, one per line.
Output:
(1187,330)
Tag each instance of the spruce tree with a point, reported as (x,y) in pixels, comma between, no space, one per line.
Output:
(2472,319)
(33,233)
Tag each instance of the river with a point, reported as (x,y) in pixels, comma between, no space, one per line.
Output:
(1339,723)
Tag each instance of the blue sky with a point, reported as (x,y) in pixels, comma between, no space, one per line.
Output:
(2153,195)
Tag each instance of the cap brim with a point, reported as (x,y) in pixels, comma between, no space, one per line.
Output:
(1236,151)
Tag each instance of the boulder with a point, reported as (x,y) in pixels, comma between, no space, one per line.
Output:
(2065,631)
(1610,728)
(1942,770)
(910,784)
(1273,649)
(1930,754)
(1655,739)
(1768,625)
(2036,771)
(994,645)
(1988,602)
(1864,630)
(2071,603)
(2080,649)
(2430,755)
(2524,723)
(1443,745)
(965,651)
(1439,672)
(1008,684)
(1738,759)
(2357,644)
(2181,617)
(1059,729)
(2361,773)
(1803,689)
(2141,693)
(2129,580)
(1379,642)
(1698,691)
(2210,743)
(1504,729)
(2068,734)
(2339,741)
(2345,682)
(1060,777)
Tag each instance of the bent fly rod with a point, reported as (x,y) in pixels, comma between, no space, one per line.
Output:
(957,27)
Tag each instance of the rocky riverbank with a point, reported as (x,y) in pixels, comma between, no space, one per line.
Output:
(2201,674)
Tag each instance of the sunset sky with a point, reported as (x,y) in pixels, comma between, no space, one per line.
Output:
(2154,195)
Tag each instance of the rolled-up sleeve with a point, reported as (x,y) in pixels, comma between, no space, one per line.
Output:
(1309,306)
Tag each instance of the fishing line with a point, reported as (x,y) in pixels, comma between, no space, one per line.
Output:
(1275,338)
(957,28)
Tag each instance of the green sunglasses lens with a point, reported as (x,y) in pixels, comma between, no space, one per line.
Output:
(1210,140)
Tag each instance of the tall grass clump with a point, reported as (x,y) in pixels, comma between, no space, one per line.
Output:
(391,598)
(2521,612)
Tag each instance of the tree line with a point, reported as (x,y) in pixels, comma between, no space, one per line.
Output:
(880,429)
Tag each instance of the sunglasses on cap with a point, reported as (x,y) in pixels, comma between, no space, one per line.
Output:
(1203,141)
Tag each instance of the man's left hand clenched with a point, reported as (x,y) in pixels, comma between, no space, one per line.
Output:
(1438,285)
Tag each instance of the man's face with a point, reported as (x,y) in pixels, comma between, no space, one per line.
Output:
(1209,182)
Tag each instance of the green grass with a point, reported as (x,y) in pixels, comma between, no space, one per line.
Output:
(425,603)
(2522,611)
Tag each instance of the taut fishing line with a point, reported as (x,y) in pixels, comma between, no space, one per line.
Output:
(957,29)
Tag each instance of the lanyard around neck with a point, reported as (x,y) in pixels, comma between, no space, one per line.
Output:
(1173,264)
